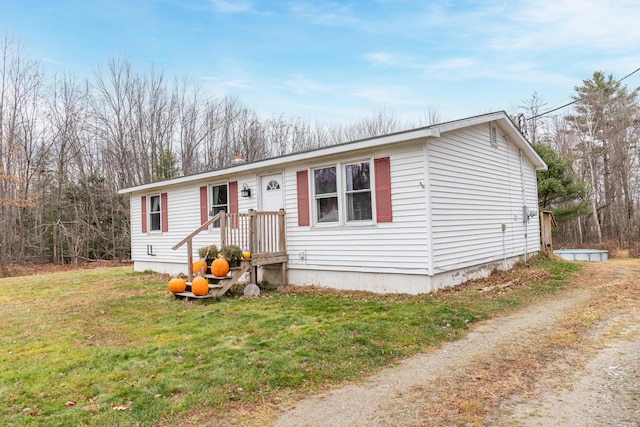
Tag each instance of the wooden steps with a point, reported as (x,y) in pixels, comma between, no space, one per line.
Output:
(217,285)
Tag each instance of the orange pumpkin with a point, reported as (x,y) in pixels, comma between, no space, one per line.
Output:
(220,267)
(200,286)
(199,266)
(177,285)
(246,254)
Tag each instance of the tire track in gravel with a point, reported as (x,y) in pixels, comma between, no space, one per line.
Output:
(406,394)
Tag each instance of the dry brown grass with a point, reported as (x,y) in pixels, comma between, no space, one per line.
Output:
(28,269)
(475,395)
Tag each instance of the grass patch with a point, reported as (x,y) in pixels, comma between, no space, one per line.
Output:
(112,347)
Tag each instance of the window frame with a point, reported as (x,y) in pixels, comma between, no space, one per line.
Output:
(212,207)
(152,213)
(348,192)
(341,194)
(326,196)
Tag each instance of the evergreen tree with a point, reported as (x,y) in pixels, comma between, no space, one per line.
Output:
(559,189)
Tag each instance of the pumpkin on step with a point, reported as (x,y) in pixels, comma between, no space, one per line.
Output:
(220,267)
(200,286)
(199,266)
(177,284)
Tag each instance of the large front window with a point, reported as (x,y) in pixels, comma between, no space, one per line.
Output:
(326,194)
(358,191)
(343,193)
(154,213)
(219,201)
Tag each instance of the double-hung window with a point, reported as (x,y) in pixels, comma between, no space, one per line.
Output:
(154,213)
(358,191)
(343,193)
(219,201)
(350,192)
(326,194)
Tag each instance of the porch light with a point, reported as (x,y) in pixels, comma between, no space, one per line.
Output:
(246,191)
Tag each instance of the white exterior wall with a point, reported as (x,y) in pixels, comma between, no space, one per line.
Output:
(183,207)
(320,254)
(451,195)
(475,189)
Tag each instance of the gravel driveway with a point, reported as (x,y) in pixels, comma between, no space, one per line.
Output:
(570,360)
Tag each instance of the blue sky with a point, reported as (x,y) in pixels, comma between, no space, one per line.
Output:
(338,61)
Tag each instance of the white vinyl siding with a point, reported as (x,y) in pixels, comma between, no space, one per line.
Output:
(451,192)
(475,188)
(401,245)
(184,217)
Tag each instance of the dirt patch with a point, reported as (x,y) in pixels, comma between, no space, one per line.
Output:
(547,364)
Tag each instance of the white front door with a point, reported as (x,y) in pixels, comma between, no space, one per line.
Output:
(271,192)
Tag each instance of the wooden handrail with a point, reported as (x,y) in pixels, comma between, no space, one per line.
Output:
(203,227)
(262,233)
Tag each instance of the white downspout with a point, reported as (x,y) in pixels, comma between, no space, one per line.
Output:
(426,186)
(525,213)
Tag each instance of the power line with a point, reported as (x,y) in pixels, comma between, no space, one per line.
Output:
(577,100)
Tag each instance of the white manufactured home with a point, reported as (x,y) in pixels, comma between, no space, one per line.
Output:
(409,212)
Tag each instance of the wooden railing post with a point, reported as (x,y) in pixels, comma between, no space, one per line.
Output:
(253,247)
(282,246)
(262,233)
(251,231)
(190,259)
(223,230)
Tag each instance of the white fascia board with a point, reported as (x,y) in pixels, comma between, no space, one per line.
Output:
(433,131)
(471,121)
(291,158)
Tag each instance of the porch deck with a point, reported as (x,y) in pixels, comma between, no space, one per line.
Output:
(263,233)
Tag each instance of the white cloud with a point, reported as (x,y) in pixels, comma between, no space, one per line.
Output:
(451,64)
(304,86)
(380,58)
(223,6)
(389,59)
(235,83)
(386,95)
(556,24)
(327,14)
(239,6)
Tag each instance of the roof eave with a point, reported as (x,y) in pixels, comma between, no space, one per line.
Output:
(368,143)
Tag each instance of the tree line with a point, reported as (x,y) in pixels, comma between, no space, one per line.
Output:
(593,181)
(68,143)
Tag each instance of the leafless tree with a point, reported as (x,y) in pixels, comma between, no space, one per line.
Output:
(531,120)
(20,140)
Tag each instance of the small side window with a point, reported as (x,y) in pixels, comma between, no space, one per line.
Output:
(154,213)
(219,201)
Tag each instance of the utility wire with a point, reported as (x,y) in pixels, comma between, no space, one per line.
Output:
(577,100)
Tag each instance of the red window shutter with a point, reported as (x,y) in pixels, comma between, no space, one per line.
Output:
(382,170)
(164,212)
(143,208)
(204,206)
(302,183)
(233,197)
(233,202)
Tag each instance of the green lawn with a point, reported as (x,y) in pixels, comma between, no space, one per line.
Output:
(112,347)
